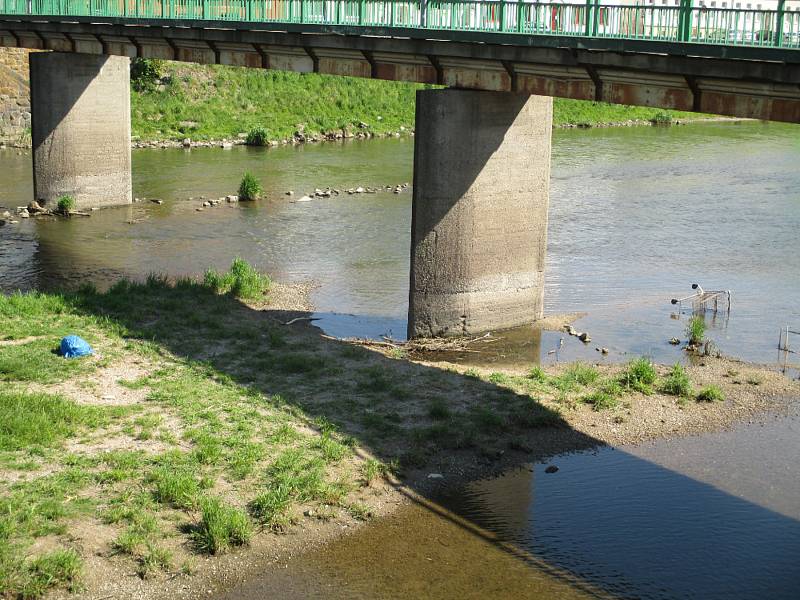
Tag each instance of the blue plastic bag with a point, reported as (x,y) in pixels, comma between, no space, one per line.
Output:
(73,346)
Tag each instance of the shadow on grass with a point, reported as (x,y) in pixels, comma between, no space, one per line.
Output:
(416,418)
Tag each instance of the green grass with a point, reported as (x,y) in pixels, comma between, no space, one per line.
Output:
(35,577)
(601,400)
(214,102)
(178,488)
(677,382)
(589,113)
(696,330)
(538,374)
(221,527)
(28,420)
(574,377)
(242,281)
(711,393)
(438,410)
(66,204)
(36,361)
(257,136)
(250,187)
(639,375)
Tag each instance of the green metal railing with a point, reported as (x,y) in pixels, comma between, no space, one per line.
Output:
(591,18)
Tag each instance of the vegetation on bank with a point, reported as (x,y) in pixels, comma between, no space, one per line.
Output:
(581,383)
(177,100)
(202,421)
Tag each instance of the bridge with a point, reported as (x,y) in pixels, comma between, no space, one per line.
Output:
(482,148)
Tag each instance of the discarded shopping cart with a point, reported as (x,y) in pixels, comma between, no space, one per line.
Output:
(702,299)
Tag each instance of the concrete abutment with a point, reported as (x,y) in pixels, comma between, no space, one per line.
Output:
(81,128)
(479,217)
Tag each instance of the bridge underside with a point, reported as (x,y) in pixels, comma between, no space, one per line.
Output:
(761,83)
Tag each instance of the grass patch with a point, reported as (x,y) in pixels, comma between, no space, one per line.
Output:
(639,375)
(28,420)
(241,281)
(711,393)
(601,400)
(66,204)
(696,330)
(221,527)
(538,374)
(174,487)
(677,382)
(250,187)
(271,507)
(34,578)
(574,377)
(257,136)
(438,410)
(36,361)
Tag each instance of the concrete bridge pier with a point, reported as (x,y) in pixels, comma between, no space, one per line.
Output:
(81,128)
(479,217)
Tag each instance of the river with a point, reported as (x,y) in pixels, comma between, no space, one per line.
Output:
(637,215)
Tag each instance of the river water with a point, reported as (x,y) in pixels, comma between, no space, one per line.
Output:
(637,215)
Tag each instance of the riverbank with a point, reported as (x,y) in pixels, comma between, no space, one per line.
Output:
(172,101)
(210,434)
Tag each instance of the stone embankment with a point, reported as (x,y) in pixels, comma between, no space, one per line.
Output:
(15,103)
(299,138)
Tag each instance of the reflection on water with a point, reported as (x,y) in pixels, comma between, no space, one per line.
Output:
(715,516)
(637,215)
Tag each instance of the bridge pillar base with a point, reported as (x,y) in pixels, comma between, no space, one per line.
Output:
(81,128)
(479,217)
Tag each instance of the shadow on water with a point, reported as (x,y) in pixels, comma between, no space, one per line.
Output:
(649,533)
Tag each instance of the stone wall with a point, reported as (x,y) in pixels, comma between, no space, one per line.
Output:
(15,102)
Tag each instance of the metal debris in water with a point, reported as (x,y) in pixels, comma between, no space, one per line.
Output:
(783,339)
(702,299)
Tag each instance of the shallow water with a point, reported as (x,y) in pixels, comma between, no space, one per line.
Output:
(709,517)
(637,215)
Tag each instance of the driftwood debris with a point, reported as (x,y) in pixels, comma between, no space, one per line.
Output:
(423,345)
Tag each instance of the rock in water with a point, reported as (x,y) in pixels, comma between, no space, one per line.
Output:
(551,469)
(585,338)
(34,208)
